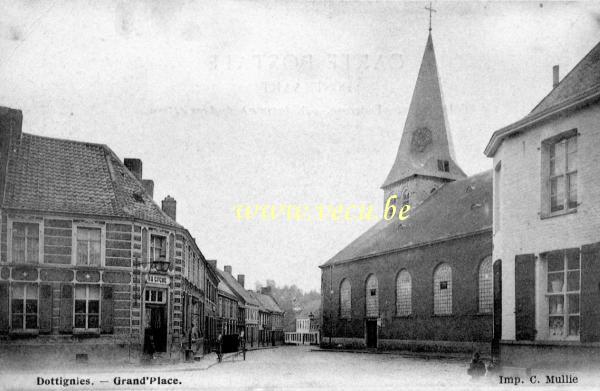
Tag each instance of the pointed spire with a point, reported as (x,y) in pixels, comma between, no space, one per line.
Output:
(426,142)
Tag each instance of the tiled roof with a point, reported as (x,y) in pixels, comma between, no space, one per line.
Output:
(457,208)
(237,288)
(584,75)
(65,176)
(260,304)
(225,289)
(268,302)
(580,87)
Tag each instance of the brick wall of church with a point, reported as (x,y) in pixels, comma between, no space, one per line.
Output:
(464,324)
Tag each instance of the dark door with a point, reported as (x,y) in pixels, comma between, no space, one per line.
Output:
(372,333)
(158,327)
(497,309)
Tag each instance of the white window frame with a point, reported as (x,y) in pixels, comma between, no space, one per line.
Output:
(9,239)
(87,312)
(485,292)
(441,308)
(102,229)
(546,193)
(148,295)
(399,298)
(151,246)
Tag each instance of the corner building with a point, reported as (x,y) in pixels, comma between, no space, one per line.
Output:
(90,266)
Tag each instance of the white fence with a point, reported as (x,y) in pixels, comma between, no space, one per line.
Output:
(294,338)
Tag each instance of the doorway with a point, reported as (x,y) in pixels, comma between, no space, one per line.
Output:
(371,325)
(156,327)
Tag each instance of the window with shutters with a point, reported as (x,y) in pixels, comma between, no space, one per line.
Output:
(24,307)
(89,249)
(87,308)
(25,242)
(559,170)
(345,300)
(158,247)
(442,290)
(372,297)
(563,292)
(486,289)
(403,293)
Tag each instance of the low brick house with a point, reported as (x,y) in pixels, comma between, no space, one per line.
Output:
(90,265)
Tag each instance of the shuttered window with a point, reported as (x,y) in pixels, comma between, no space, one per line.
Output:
(563,293)
(87,307)
(345,300)
(372,297)
(486,290)
(24,307)
(442,290)
(403,294)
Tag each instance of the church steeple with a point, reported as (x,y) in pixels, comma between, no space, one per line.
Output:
(425,158)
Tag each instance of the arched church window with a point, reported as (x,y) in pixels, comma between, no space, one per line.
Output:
(486,293)
(403,293)
(442,290)
(372,297)
(405,197)
(345,299)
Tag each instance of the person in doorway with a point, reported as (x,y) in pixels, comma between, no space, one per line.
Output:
(242,339)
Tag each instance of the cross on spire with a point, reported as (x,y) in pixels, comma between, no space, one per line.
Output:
(430,9)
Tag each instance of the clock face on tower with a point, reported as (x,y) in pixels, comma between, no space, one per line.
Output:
(421,138)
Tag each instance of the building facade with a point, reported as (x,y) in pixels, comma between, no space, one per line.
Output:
(546,224)
(90,266)
(423,283)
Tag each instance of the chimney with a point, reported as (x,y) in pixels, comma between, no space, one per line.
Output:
(227,269)
(169,206)
(265,290)
(212,262)
(555,76)
(11,121)
(149,186)
(135,166)
(241,279)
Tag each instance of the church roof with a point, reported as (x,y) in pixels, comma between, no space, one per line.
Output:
(426,137)
(456,209)
(578,88)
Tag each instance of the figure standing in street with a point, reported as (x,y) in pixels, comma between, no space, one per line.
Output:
(477,367)
(194,338)
(243,343)
(220,347)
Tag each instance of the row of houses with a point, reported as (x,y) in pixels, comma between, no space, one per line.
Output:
(92,268)
(505,262)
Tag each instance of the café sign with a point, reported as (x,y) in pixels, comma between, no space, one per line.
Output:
(157,279)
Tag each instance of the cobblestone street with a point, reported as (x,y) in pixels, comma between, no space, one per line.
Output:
(280,368)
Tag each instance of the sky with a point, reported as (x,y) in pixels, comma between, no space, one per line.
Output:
(276,102)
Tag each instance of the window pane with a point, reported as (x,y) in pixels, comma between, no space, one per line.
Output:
(574,326)
(345,302)
(94,292)
(17,306)
(32,250)
(82,252)
(80,321)
(17,321)
(486,293)
(31,306)
(18,291)
(559,158)
(80,292)
(93,322)
(18,249)
(573,281)
(557,193)
(573,259)
(557,324)
(555,282)
(93,306)
(80,307)
(556,261)
(556,305)
(32,292)
(442,291)
(95,253)
(82,234)
(404,294)
(572,154)
(573,304)
(31,321)
(572,190)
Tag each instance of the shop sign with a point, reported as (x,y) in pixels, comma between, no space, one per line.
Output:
(157,279)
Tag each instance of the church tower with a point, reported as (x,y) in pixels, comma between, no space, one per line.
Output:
(425,158)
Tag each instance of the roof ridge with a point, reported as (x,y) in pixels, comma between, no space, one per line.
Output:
(65,140)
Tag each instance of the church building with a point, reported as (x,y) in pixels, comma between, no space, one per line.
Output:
(424,283)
